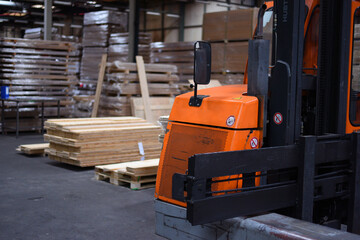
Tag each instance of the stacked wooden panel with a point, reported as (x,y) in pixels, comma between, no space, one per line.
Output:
(119,47)
(180,54)
(136,175)
(229,32)
(94,141)
(38,70)
(122,83)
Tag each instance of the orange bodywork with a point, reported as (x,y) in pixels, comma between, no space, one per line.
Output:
(193,130)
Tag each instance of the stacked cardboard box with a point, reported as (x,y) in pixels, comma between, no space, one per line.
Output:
(229,32)
(180,54)
(119,47)
(98,26)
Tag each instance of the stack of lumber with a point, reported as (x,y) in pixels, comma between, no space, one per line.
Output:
(98,26)
(88,142)
(119,47)
(180,54)
(33,149)
(136,175)
(122,83)
(229,32)
(38,70)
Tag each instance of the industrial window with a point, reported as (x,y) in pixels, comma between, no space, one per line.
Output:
(355,73)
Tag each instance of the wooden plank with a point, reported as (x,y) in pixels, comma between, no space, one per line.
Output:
(144,88)
(99,85)
(33,149)
(143,167)
(159,106)
(123,66)
(213,83)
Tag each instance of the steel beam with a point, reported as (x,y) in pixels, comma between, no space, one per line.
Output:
(47,19)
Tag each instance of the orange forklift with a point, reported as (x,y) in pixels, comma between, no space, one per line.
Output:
(286,141)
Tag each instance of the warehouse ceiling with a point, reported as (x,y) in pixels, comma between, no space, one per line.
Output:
(30,13)
(33,9)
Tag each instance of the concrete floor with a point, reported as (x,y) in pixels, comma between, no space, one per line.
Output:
(44,199)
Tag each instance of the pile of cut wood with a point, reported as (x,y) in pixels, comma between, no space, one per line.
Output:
(94,141)
(136,175)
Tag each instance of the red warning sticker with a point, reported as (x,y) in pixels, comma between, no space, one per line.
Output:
(278,118)
(254,142)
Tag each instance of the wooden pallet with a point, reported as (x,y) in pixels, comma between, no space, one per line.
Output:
(135,175)
(33,149)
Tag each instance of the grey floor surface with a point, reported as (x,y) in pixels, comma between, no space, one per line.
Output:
(44,199)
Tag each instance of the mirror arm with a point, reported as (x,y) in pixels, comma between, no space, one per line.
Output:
(195,91)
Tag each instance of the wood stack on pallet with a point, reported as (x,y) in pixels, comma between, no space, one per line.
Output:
(136,175)
(119,47)
(180,54)
(94,141)
(38,70)
(122,83)
(33,149)
(229,32)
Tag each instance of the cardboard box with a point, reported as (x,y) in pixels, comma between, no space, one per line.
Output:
(230,25)
(229,57)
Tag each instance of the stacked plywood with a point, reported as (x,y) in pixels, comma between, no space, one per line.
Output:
(136,175)
(119,47)
(180,54)
(94,141)
(229,32)
(39,70)
(122,83)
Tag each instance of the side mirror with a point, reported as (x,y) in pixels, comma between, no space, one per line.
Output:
(202,62)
